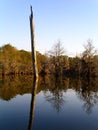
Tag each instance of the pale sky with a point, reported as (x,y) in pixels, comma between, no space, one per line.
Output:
(72,22)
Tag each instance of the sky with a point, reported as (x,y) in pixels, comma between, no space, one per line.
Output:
(72,22)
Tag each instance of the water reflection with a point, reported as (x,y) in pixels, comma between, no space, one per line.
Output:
(55,95)
(64,95)
(89,94)
(32,107)
(12,86)
(53,89)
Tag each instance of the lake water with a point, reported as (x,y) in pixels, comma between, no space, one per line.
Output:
(48,104)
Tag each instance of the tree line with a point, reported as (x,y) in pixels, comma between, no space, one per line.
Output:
(55,61)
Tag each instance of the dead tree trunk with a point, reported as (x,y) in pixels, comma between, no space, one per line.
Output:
(34,60)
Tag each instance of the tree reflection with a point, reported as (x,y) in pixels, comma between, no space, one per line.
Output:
(53,88)
(89,95)
(55,95)
(12,86)
(32,107)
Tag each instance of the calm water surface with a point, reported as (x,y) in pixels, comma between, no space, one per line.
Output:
(48,104)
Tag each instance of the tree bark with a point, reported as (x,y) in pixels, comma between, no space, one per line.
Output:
(34,60)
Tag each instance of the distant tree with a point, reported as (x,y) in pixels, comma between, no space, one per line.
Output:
(25,64)
(56,58)
(88,68)
(13,61)
(74,66)
(96,64)
(42,63)
(58,50)
(8,59)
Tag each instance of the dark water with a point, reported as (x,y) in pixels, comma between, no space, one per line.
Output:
(48,104)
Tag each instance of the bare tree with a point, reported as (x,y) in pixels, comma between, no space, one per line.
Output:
(57,50)
(87,59)
(56,57)
(89,51)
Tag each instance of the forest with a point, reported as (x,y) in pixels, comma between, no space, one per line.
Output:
(55,62)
